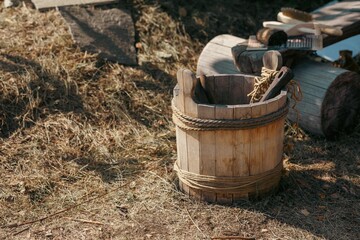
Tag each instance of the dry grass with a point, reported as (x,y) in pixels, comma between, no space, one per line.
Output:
(96,139)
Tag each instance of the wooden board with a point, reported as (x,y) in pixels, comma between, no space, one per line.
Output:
(40,4)
(109,32)
(192,137)
(180,133)
(257,140)
(345,14)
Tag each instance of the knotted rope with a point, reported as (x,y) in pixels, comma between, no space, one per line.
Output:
(199,124)
(238,184)
(262,83)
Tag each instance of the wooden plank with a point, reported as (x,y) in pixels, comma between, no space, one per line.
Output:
(189,83)
(242,148)
(257,148)
(207,149)
(192,137)
(40,4)
(313,77)
(182,155)
(221,49)
(222,88)
(315,73)
(193,150)
(193,158)
(272,140)
(236,92)
(209,88)
(224,150)
(280,148)
(210,70)
(248,87)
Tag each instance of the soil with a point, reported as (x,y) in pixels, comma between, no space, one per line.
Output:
(87,147)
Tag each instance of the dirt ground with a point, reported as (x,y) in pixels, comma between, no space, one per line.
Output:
(87,147)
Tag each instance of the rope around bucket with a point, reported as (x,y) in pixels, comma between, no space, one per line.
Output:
(199,124)
(239,184)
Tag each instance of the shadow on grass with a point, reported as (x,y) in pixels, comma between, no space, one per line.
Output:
(45,94)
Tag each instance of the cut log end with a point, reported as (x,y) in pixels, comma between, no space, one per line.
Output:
(340,112)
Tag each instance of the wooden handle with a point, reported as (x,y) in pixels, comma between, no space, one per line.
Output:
(271,37)
(282,78)
(285,19)
(277,25)
(272,60)
(334,31)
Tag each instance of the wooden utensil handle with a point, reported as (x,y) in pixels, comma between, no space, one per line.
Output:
(282,78)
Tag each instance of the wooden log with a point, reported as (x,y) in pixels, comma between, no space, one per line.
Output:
(323,108)
(226,153)
(271,37)
(326,110)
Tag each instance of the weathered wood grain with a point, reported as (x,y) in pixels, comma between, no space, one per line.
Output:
(207,150)
(242,148)
(40,4)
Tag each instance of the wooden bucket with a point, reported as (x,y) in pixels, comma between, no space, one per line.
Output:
(228,150)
